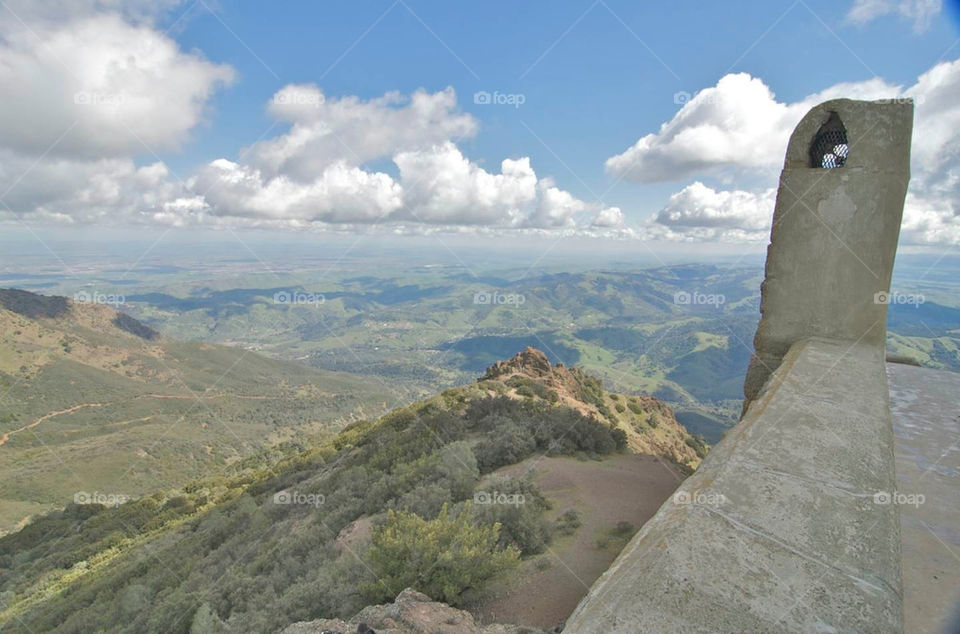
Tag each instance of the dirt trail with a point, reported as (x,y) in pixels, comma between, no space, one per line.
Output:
(6,436)
(69,410)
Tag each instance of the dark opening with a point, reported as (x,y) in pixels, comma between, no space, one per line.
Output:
(829,148)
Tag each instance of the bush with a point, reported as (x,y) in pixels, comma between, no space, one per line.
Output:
(442,557)
(522,525)
(568,523)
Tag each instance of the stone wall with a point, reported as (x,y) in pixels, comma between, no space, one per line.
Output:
(834,234)
(786,526)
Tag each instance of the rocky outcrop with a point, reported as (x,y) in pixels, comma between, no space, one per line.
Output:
(531,362)
(411,613)
(650,425)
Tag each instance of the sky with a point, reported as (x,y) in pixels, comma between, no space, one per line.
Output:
(662,122)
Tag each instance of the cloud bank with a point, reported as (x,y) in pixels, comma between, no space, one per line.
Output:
(738,131)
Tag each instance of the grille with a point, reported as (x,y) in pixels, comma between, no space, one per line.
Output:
(830,148)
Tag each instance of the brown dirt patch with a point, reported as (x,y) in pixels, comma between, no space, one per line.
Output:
(625,487)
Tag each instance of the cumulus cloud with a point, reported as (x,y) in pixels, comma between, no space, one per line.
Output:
(442,186)
(736,125)
(697,205)
(103,87)
(608,217)
(318,171)
(88,87)
(324,130)
(737,130)
(920,12)
(341,193)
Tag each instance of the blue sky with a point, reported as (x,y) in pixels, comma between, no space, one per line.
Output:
(594,90)
(594,78)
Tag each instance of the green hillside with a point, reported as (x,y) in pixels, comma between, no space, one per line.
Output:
(322,529)
(93,401)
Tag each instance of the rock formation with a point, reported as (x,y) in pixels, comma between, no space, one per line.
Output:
(411,613)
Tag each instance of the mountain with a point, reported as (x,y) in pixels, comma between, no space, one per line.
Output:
(467,496)
(92,400)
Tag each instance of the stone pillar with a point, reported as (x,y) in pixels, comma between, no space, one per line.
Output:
(835,230)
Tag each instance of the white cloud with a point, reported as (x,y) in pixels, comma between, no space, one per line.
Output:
(736,125)
(316,171)
(442,186)
(697,205)
(920,12)
(739,131)
(555,207)
(324,130)
(86,92)
(341,193)
(124,89)
(608,217)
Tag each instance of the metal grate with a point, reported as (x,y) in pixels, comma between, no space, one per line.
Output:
(829,148)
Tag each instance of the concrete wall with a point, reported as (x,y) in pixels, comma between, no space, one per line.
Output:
(784,526)
(778,529)
(834,234)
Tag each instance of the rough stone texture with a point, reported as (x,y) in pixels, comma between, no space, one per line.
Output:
(926,426)
(411,613)
(834,234)
(797,542)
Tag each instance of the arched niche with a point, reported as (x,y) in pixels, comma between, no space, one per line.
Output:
(829,148)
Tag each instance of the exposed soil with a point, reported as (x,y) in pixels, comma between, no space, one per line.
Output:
(625,487)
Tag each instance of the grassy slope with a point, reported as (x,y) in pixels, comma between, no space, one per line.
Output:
(260,565)
(153,413)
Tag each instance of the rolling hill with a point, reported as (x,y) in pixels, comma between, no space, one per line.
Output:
(92,400)
(486,484)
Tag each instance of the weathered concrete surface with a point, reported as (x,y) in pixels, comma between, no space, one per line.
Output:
(926,424)
(797,542)
(834,234)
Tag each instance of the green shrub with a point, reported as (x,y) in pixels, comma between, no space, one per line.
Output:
(568,523)
(440,557)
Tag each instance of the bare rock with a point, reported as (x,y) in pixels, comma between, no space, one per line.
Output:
(411,613)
